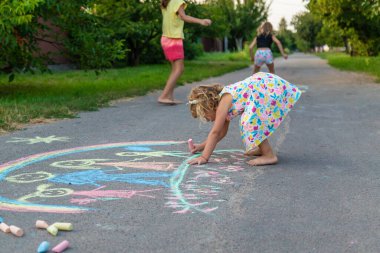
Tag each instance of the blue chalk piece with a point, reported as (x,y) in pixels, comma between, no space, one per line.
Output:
(1,220)
(44,247)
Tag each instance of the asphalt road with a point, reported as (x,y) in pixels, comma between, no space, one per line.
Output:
(119,175)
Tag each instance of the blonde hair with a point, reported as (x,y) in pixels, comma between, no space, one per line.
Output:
(203,99)
(265,28)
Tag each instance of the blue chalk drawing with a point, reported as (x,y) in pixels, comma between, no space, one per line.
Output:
(138,148)
(92,177)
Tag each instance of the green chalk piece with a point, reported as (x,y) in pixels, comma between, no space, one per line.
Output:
(52,230)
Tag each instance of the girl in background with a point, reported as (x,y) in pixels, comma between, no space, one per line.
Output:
(174,16)
(264,40)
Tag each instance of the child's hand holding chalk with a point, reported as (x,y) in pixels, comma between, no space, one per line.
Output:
(191,145)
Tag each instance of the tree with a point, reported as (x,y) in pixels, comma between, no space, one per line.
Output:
(285,36)
(18,26)
(136,22)
(307,27)
(358,21)
(88,38)
(243,17)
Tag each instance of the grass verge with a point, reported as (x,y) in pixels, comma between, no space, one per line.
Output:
(32,98)
(343,61)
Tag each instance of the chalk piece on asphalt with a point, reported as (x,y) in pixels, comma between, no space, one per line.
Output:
(191,144)
(1,220)
(61,247)
(16,231)
(52,230)
(63,226)
(44,247)
(5,228)
(41,224)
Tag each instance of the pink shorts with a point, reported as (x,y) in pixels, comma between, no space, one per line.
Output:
(173,48)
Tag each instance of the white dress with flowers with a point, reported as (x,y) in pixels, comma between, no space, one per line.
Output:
(263,100)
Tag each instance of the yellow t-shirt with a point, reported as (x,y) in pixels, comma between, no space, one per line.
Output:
(172,24)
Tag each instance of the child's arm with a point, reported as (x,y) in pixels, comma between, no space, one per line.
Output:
(201,147)
(251,46)
(218,130)
(278,43)
(190,19)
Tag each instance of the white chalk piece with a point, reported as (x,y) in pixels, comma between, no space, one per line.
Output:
(63,226)
(5,228)
(16,231)
(61,247)
(44,247)
(52,230)
(41,224)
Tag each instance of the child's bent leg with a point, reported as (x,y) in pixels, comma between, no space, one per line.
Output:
(167,94)
(267,157)
(253,152)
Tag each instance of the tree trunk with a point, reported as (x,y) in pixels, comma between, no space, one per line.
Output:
(239,43)
(226,44)
(347,47)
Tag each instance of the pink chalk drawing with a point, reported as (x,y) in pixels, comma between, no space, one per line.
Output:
(231,168)
(97,194)
(161,166)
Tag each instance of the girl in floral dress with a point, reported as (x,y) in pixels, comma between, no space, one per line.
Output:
(263,100)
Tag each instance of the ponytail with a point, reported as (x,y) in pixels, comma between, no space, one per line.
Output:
(164,3)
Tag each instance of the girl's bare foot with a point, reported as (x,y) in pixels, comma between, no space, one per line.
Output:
(264,160)
(253,152)
(167,101)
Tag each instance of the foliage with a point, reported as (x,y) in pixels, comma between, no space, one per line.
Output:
(87,38)
(242,17)
(358,22)
(136,22)
(286,37)
(18,26)
(307,27)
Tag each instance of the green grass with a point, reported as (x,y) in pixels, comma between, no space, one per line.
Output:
(64,94)
(343,61)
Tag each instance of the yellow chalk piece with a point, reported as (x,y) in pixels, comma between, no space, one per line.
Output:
(5,228)
(16,231)
(52,230)
(41,224)
(63,226)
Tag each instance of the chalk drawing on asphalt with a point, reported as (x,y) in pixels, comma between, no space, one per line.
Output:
(39,139)
(71,180)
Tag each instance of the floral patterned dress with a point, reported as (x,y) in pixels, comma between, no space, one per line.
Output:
(263,100)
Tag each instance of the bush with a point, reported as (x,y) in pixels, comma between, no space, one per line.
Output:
(192,49)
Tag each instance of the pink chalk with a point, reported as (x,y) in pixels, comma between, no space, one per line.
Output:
(191,144)
(61,247)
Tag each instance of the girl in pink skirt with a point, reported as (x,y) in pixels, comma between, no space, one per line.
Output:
(174,16)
